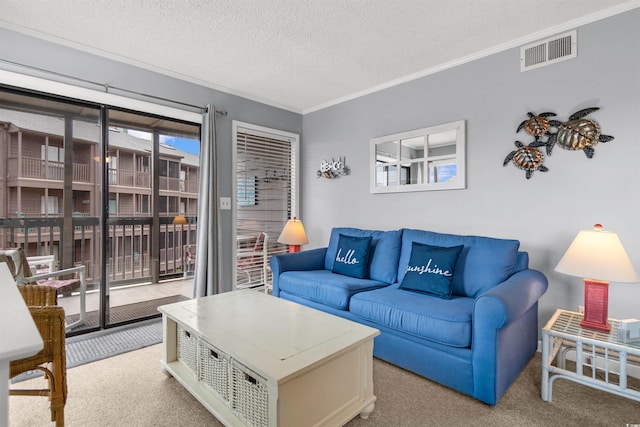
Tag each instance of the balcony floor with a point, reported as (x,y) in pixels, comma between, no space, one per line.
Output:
(128,302)
(131,302)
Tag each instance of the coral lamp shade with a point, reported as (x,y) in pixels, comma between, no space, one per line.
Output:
(599,255)
(293,233)
(179,219)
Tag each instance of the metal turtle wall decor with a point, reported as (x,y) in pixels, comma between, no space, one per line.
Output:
(538,125)
(527,157)
(577,133)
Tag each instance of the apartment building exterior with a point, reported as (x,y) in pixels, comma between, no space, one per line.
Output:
(50,208)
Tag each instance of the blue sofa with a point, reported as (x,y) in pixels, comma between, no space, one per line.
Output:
(476,342)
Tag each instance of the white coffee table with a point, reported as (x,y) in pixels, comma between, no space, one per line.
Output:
(253,359)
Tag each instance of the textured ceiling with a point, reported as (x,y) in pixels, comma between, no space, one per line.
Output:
(297,54)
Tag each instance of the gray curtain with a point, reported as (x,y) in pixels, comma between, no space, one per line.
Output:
(208,272)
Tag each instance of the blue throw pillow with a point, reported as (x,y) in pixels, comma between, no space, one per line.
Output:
(430,270)
(352,256)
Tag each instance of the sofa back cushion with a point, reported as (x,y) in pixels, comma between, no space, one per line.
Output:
(483,263)
(383,256)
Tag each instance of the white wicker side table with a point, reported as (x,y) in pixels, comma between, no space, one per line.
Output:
(605,357)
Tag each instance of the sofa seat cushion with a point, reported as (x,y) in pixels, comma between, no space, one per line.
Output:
(444,321)
(325,287)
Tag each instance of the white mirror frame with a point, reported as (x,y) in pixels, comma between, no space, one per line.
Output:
(457,182)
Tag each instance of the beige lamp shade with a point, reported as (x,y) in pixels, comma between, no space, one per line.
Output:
(293,233)
(598,255)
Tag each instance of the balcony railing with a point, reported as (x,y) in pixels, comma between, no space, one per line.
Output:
(188,186)
(129,178)
(126,261)
(35,168)
(45,169)
(170,184)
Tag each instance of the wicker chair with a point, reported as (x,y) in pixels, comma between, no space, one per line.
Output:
(49,318)
(20,266)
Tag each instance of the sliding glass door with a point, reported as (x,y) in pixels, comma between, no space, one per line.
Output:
(50,194)
(152,216)
(113,190)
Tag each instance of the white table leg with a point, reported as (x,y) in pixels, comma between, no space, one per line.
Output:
(544,389)
(367,411)
(4,392)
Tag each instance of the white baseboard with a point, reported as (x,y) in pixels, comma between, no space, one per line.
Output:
(632,370)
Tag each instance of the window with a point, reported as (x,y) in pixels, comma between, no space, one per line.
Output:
(163,205)
(162,168)
(169,169)
(169,172)
(113,207)
(174,169)
(183,179)
(53,154)
(112,162)
(265,186)
(143,164)
(49,205)
(168,205)
(143,204)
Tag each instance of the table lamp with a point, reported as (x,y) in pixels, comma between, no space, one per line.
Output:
(179,219)
(598,257)
(293,235)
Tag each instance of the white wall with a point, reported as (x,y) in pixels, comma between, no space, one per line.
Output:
(493,96)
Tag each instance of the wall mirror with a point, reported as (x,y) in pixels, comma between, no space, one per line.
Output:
(431,158)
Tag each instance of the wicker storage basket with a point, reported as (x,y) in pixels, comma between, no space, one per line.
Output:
(250,396)
(188,349)
(214,370)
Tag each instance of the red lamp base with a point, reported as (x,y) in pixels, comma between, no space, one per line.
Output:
(596,305)
(294,248)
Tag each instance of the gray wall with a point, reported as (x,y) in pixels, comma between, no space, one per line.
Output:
(30,51)
(493,96)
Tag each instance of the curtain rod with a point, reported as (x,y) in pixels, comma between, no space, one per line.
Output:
(106,87)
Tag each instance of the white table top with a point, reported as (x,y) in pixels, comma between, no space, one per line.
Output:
(19,336)
(567,323)
(272,336)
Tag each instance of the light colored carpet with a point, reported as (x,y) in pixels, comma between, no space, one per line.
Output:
(131,390)
(88,348)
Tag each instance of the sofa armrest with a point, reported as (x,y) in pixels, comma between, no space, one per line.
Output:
(505,332)
(504,303)
(297,261)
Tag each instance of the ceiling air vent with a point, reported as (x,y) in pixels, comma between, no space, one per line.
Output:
(549,51)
